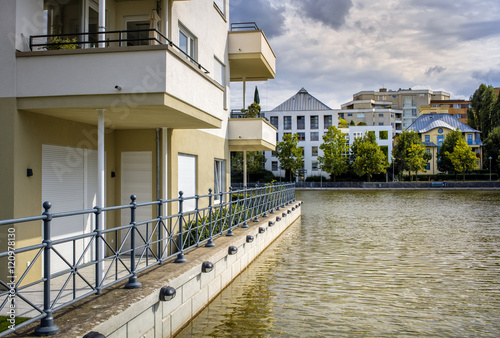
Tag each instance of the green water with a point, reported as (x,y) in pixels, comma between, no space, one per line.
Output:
(371,264)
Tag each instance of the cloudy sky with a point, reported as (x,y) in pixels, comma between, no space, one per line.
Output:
(335,48)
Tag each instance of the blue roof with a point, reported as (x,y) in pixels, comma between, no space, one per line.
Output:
(302,101)
(427,122)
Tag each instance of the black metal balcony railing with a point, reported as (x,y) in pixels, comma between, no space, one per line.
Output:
(129,249)
(120,38)
(238,114)
(244,26)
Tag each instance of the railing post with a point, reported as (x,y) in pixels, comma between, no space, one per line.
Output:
(210,243)
(98,270)
(160,230)
(180,256)
(47,326)
(256,205)
(133,283)
(196,219)
(244,225)
(230,200)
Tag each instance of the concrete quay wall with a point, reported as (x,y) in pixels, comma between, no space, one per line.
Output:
(119,312)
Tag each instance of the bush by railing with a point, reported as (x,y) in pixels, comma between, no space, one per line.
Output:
(116,254)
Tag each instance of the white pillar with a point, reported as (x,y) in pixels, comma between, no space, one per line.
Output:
(101,183)
(244,168)
(102,23)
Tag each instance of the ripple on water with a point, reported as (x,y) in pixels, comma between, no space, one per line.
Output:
(371,263)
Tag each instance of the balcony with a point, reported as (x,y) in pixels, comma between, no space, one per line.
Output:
(250,55)
(150,84)
(251,134)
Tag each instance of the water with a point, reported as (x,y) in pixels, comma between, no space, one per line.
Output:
(371,264)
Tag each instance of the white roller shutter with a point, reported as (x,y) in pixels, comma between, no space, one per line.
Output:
(69,182)
(187,179)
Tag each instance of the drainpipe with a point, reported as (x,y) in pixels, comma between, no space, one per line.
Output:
(102,23)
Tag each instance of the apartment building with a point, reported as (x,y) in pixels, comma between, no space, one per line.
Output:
(433,129)
(398,109)
(310,118)
(456,108)
(104,99)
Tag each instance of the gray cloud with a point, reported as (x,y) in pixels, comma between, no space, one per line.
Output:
(269,18)
(330,13)
(434,70)
(491,76)
(479,30)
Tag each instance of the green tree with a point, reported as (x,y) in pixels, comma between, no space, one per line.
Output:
(343,123)
(417,158)
(450,141)
(462,158)
(369,159)
(492,148)
(334,160)
(289,155)
(482,103)
(472,119)
(407,157)
(495,114)
(352,123)
(256,161)
(252,111)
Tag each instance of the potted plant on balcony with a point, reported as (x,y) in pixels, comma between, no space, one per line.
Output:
(252,111)
(57,43)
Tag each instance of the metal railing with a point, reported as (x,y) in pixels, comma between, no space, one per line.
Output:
(120,38)
(238,114)
(140,243)
(244,26)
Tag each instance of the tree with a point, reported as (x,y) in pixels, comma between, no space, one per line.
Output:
(256,161)
(417,158)
(462,158)
(482,102)
(408,151)
(335,148)
(352,123)
(472,119)
(369,159)
(252,111)
(449,143)
(289,154)
(343,123)
(492,148)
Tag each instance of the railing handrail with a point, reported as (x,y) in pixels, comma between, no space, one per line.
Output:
(244,26)
(139,244)
(107,41)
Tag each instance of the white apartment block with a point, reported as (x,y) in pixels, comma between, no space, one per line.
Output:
(310,118)
(383,136)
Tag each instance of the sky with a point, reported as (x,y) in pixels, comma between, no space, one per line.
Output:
(336,48)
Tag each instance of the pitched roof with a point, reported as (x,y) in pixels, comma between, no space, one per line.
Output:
(302,101)
(426,122)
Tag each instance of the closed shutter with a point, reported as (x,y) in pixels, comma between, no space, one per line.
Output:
(136,179)
(69,182)
(187,179)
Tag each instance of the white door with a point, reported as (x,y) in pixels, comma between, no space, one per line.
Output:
(69,182)
(187,179)
(137,179)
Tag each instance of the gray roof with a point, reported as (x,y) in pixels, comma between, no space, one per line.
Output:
(429,144)
(302,101)
(427,122)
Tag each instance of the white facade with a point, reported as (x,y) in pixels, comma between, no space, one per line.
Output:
(295,116)
(383,136)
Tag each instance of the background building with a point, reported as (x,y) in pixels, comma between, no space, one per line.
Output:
(384,107)
(310,118)
(456,108)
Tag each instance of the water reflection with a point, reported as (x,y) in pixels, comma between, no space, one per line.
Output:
(372,263)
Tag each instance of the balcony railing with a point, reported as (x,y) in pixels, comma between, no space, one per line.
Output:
(129,249)
(244,26)
(474,142)
(120,38)
(238,114)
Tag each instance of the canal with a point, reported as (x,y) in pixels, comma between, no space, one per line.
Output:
(371,263)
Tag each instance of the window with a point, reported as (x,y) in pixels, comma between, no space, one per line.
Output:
(219,178)
(457,106)
(219,72)
(287,122)
(458,116)
(314,151)
(428,166)
(137,38)
(274,166)
(427,138)
(314,122)
(301,122)
(273,153)
(383,135)
(314,165)
(274,121)
(381,123)
(327,120)
(380,115)
(409,101)
(220,5)
(286,134)
(349,114)
(360,115)
(187,42)
(302,136)
(314,136)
